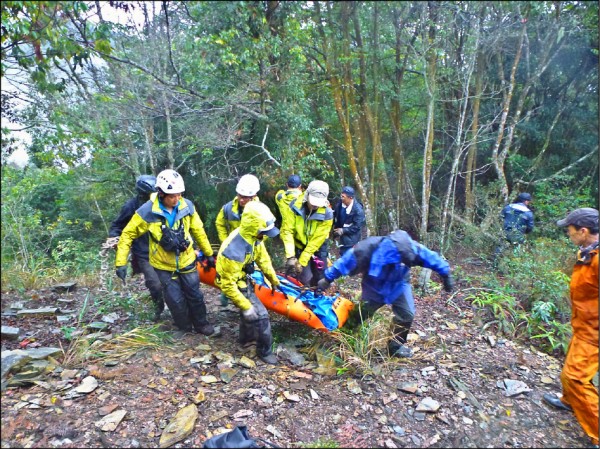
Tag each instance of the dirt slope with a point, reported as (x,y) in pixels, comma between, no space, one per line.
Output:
(293,405)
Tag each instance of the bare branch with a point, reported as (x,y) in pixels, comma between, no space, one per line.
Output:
(262,147)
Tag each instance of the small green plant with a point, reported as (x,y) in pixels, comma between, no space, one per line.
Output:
(68,332)
(498,308)
(320,442)
(543,311)
(553,336)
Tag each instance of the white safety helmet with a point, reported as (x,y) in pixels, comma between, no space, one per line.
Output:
(248,185)
(169,181)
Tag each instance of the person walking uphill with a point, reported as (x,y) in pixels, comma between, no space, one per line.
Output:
(349,218)
(172,223)
(581,364)
(518,219)
(304,233)
(145,186)
(235,263)
(230,215)
(385,264)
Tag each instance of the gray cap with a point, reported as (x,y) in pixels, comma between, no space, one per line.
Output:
(586,217)
(317,192)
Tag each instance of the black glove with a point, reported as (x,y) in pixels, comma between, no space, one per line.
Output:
(211,262)
(323,284)
(122,272)
(448,283)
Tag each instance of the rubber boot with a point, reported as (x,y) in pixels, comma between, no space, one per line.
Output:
(159,307)
(396,346)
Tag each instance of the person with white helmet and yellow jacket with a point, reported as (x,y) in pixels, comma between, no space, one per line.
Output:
(173,225)
(235,263)
(230,215)
(304,233)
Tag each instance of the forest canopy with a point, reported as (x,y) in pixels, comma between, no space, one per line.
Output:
(437,113)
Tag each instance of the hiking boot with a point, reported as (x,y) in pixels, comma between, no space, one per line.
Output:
(402,352)
(270,359)
(206,329)
(554,401)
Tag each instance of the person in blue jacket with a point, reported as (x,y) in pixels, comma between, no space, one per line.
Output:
(385,264)
(517,220)
(348,220)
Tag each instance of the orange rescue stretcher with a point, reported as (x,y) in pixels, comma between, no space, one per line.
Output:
(291,307)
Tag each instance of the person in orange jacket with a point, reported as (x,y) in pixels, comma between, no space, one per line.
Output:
(581,364)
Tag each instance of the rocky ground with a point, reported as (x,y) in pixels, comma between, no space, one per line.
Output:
(462,388)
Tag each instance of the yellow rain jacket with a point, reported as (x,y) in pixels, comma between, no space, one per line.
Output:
(239,249)
(150,218)
(304,229)
(283,198)
(229,218)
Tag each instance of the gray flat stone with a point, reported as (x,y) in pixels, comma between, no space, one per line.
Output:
(10,333)
(65,287)
(40,311)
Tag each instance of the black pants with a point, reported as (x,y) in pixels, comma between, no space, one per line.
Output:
(184,298)
(141,265)
(311,275)
(258,330)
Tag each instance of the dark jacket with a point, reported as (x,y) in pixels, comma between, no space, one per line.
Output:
(140,245)
(518,221)
(351,223)
(385,264)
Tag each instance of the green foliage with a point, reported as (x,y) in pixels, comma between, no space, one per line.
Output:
(553,336)
(498,308)
(138,307)
(536,272)
(74,257)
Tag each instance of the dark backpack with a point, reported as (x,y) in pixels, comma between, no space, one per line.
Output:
(237,438)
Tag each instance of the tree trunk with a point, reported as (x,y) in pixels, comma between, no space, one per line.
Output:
(499,158)
(430,80)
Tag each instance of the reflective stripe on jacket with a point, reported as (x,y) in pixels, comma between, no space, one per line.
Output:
(149,218)
(304,229)
(518,221)
(283,198)
(239,249)
(229,218)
